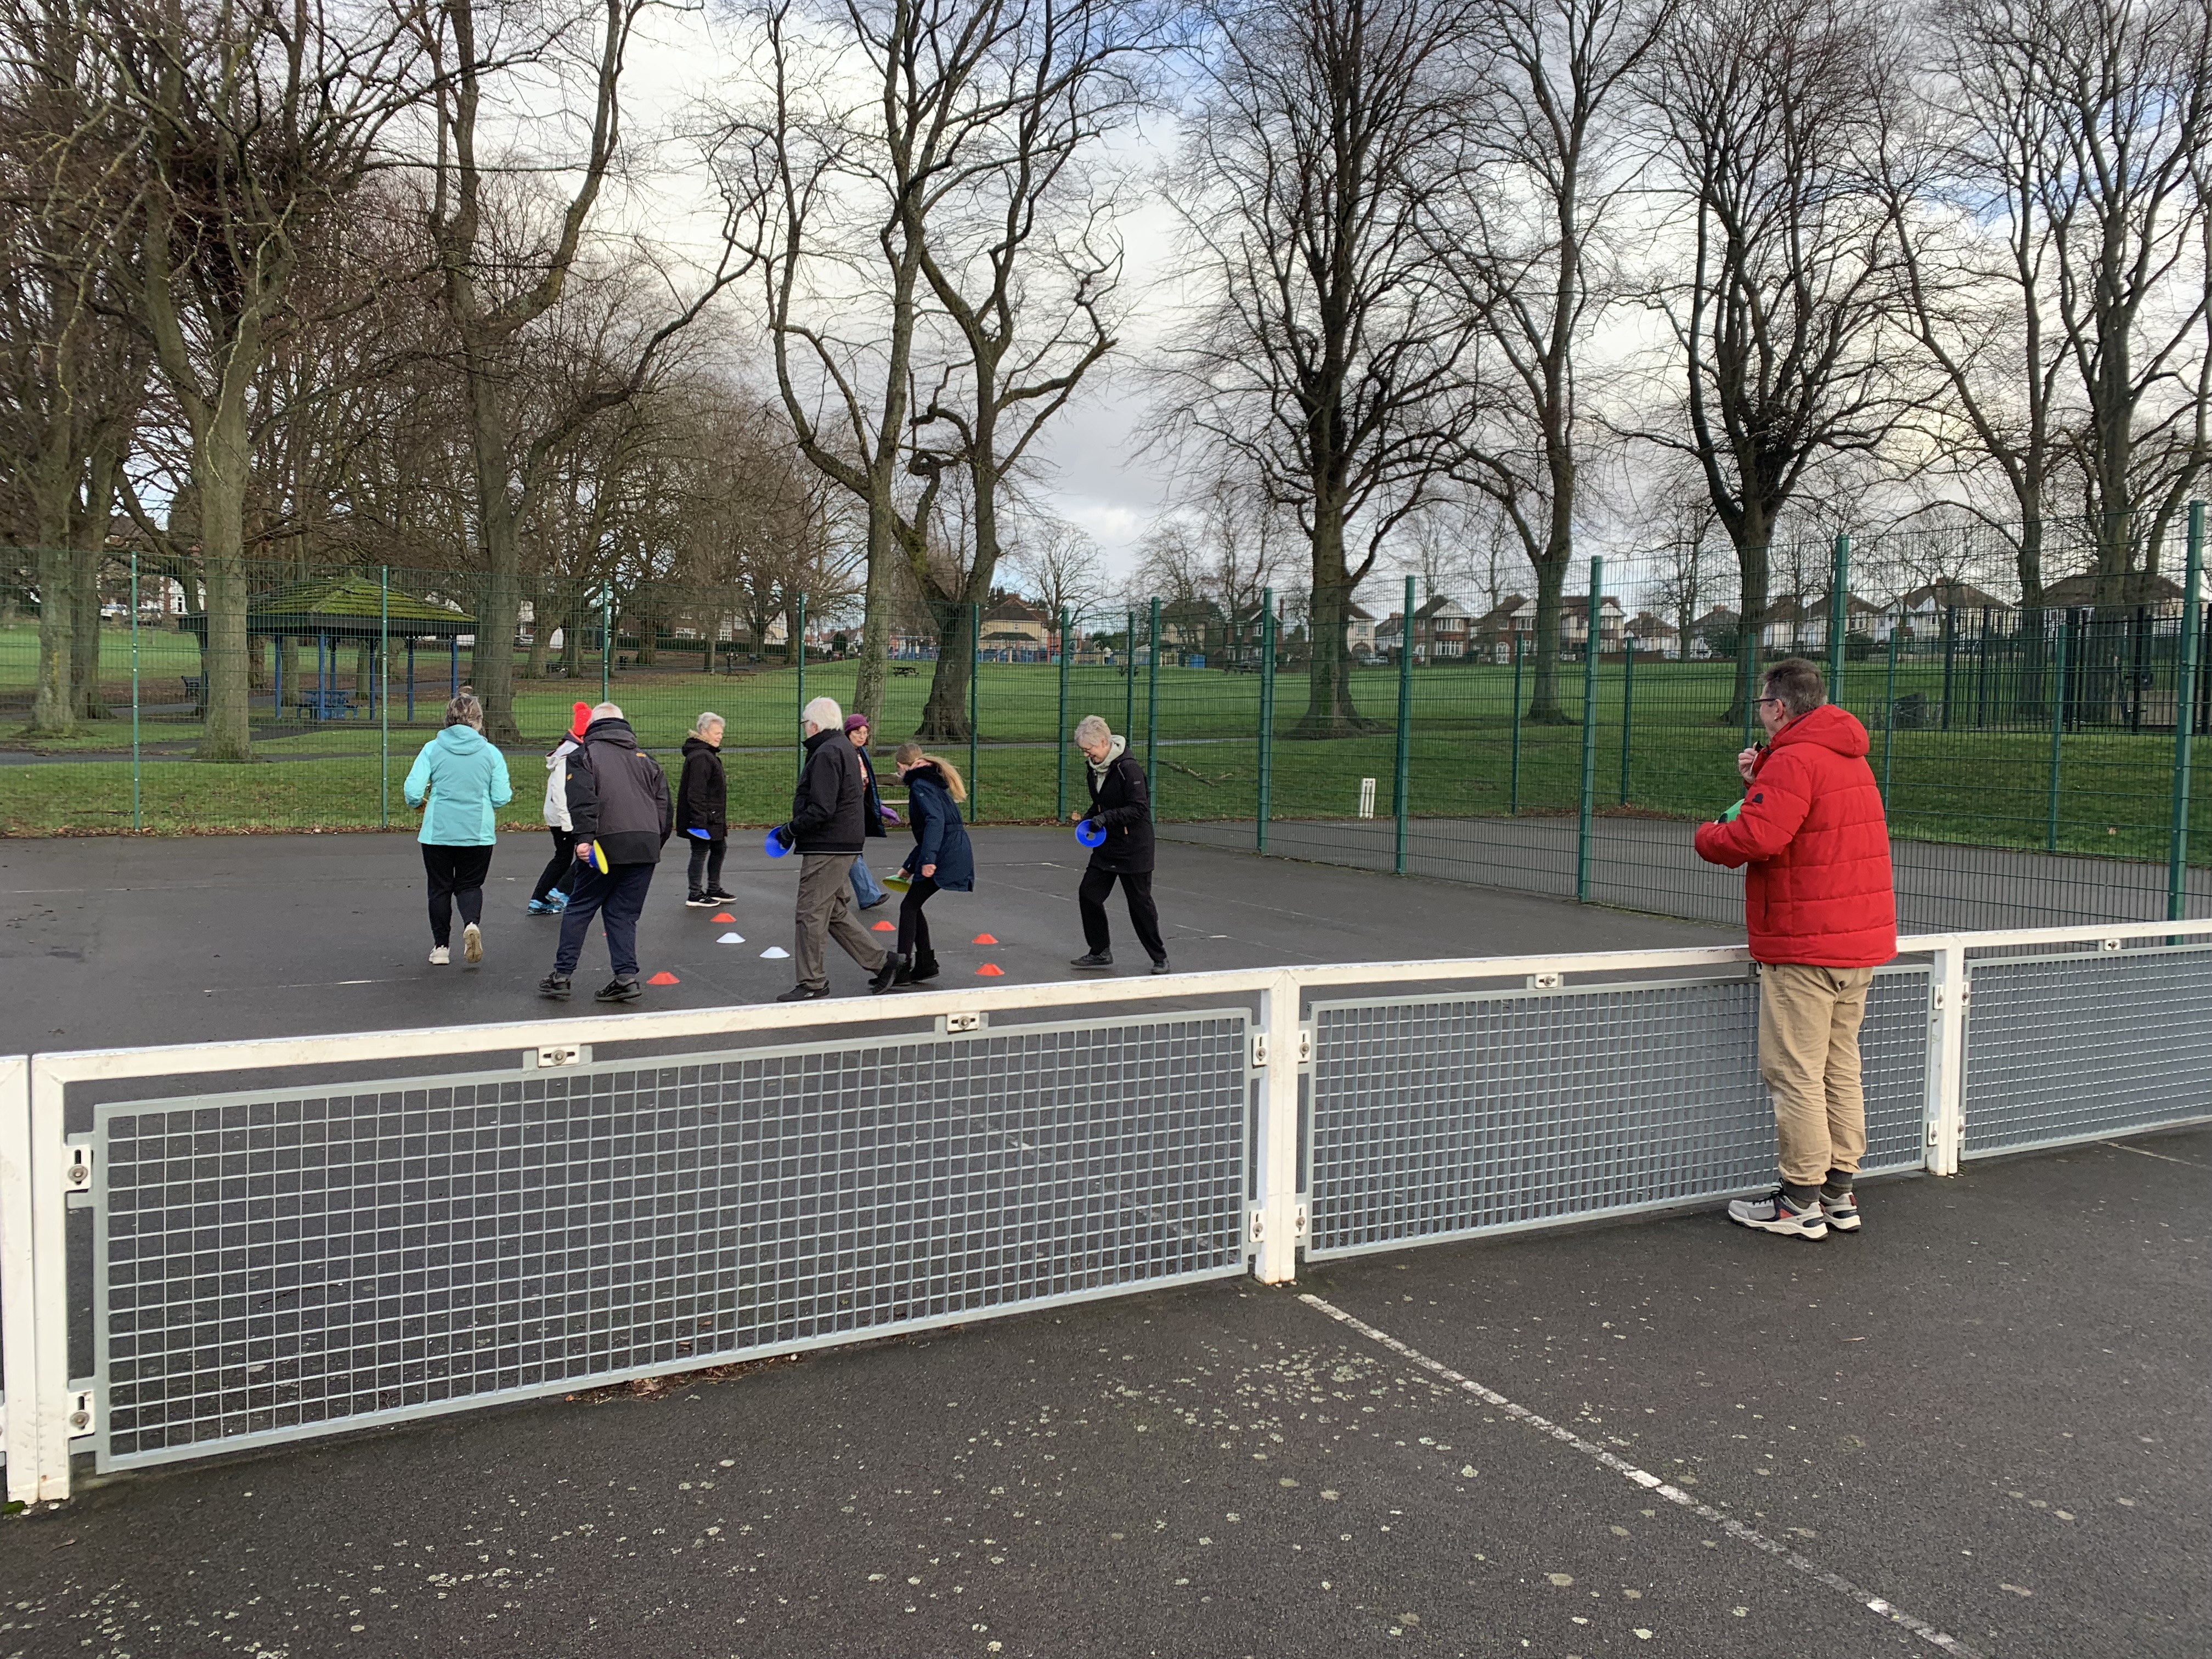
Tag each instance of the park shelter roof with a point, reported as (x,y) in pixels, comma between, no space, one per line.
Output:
(347,607)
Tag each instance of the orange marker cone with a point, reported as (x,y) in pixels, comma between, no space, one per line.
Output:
(983,939)
(724,916)
(992,970)
(664,977)
(886,928)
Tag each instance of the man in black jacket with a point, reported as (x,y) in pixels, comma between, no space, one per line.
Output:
(829,816)
(618,803)
(1121,804)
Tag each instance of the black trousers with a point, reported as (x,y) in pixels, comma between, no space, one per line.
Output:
(1144,914)
(560,871)
(705,860)
(457,877)
(913,927)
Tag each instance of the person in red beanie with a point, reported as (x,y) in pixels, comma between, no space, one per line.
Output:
(550,898)
(1820,906)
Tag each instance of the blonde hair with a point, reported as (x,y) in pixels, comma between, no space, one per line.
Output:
(909,753)
(465,710)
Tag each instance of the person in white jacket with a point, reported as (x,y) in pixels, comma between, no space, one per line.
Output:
(551,896)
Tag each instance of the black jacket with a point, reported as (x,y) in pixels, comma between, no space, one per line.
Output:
(617,797)
(873,804)
(831,801)
(1123,803)
(702,796)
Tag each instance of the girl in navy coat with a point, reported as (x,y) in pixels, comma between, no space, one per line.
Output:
(941,857)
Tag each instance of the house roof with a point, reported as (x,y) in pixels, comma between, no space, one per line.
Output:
(1947,591)
(1644,625)
(1014,610)
(1440,605)
(2137,587)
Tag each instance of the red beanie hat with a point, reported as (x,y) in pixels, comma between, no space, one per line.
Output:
(582,722)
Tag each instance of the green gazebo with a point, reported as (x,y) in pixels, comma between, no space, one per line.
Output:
(333,608)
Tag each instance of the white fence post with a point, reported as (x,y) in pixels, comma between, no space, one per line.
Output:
(1275,1217)
(49,1401)
(1947,990)
(19,1351)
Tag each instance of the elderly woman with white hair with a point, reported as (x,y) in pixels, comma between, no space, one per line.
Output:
(1121,805)
(828,826)
(702,811)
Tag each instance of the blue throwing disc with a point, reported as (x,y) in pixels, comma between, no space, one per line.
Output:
(593,854)
(773,848)
(702,835)
(1089,834)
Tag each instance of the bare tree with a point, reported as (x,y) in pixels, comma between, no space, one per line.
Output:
(1323,353)
(256,127)
(1057,563)
(1768,114)
(1545,166)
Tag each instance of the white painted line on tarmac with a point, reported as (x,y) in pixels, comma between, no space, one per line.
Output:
(2122,1146)
(1734,1528)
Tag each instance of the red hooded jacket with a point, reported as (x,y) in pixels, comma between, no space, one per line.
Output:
(1819,888)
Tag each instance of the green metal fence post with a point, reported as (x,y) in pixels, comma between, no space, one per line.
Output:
(2185,686)
(795,650)
(1839,618)
(1627,706)
(137,813)
(1513,804)
(1152,709)
(1588,792)
(974,672)
(1129,678)
(1402,763)
(607,637)
(2058,734)
(1265,801)
(1889,712)
(1060,732)
(384,699)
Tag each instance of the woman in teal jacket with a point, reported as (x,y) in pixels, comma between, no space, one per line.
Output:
(457,783)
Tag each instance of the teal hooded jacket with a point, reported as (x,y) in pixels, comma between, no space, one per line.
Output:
(466,778)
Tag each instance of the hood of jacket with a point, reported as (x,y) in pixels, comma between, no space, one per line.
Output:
(928,772)
(561,751)
(698,745)
(1830,727)
(613,731)
(821,737)
(1114,751)
(462,740)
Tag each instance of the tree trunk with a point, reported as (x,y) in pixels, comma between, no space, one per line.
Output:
(84,648)
(491,666)
(223,453)
(1750,556)
(945,716)
(52,710)
(1544,696)
(1330,710)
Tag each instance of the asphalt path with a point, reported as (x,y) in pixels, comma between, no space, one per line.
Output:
(1985,1411)
(118,941)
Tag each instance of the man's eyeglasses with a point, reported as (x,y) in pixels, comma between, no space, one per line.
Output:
(1763,701)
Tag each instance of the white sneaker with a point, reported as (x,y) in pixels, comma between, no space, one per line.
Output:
(472,944)
(1778,1212)
(440,956)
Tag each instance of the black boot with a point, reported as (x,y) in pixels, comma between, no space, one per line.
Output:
(925,966)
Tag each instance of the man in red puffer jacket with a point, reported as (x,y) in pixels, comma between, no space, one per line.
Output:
(1822,914)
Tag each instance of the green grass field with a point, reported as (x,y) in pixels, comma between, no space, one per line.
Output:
(1988,785)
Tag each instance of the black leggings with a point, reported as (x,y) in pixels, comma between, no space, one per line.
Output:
(457,877)
(913,927)
(706,860)
(560,871)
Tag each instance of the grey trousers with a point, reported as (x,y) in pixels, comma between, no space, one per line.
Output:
(825,912)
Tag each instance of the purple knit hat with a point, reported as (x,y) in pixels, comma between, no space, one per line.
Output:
(853,723)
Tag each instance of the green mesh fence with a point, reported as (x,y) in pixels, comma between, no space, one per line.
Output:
(2028,753)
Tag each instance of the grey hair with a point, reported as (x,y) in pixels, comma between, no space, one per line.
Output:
(823,714)
(465,710)
(1092,728)
(607,711)
(710,718)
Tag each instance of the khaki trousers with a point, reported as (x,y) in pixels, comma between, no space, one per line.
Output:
(1809,1052)
(825,912)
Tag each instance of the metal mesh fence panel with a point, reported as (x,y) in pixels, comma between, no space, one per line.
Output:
(288,1263)
(1439,1117)
(2078,1046)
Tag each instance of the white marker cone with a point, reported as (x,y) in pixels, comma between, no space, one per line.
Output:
(730,938)
(774,951)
